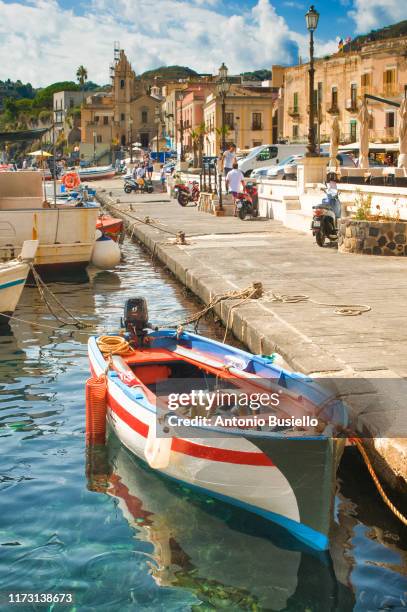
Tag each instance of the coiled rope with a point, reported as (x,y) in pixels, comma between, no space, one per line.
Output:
(345,310)
(376,481)
(113,345)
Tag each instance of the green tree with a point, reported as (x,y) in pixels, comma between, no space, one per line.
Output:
(44,97)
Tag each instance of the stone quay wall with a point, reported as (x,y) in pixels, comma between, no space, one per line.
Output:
(372,237)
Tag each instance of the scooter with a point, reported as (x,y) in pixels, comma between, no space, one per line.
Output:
(185,195)
(324,222)
(247,203)
(130,184)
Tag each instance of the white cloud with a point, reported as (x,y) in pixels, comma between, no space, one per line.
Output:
(42,42)
(371,14)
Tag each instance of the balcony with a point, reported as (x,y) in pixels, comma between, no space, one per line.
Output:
(390,132)
(293,112)
(389,92)
(256,127)
(332,109)
(351,106)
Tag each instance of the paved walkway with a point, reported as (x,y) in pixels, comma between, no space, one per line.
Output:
(225,253)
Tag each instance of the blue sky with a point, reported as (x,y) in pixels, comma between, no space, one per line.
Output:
(45,40)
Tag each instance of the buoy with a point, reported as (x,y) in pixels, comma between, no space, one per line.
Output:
(96,405)
(157,450)
(106,253)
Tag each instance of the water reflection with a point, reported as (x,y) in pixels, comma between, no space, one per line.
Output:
(225,556)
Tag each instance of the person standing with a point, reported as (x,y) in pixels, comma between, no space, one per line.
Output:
(162,178)
(235,182)
(229,159)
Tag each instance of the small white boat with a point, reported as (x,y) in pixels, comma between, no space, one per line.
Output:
(95,173)
(13,275)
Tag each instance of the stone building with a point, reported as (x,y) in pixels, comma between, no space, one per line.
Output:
(125,114)
(67,121)
(341,80)
(250,114)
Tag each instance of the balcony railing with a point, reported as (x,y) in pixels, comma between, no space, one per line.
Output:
(332,109)
(257,127)
(293,111)
(390,92)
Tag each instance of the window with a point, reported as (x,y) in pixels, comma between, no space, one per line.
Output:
(371,121)
(122,84)
(99,138)
(389,81)
(267,153)
(144,116)
(122,117)
(229,120)
(70,102)
(295,132)
(256,143)
(334,97)
(256,121)
(352,131)
(366,81)
(353,95)
(295,102)
(390,120)
(105,120)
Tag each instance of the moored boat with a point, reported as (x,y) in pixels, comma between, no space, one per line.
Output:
(66,233)
(13,275)
(110,226)
(283,473)
(96,173)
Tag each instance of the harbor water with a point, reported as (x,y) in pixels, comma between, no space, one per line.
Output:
(105,528)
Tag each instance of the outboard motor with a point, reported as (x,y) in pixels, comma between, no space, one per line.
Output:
(135,318)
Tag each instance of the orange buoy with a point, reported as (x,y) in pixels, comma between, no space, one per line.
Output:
(96,405)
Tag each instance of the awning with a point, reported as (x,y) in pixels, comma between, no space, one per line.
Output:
(23,135)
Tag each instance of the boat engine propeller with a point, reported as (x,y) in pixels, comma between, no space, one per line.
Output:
(135,318)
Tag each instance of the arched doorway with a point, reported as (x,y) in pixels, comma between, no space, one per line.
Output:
(123,140)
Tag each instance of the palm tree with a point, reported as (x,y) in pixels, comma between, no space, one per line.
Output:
(195,135)
(82,77)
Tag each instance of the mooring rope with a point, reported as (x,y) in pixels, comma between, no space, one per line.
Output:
(345,310)
(46,293)
(376,481)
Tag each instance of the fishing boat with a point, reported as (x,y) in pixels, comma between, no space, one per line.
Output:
(96,173)
(66,233)
(13,275)
(270,463)
(110,226)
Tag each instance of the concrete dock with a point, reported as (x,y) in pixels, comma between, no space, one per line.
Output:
(225,253)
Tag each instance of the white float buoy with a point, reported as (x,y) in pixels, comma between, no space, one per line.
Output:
(106,253)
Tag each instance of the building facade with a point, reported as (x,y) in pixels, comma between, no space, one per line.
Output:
(67,121)
(378,68)
(126,114)
(250,117)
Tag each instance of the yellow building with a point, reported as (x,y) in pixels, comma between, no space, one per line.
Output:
(123,115)
(249,114)
(378,68)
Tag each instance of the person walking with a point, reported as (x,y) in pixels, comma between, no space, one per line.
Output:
(162,178)
(229,158)
(235,182)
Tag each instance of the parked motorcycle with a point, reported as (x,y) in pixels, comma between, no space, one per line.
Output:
(138,186)
(184,194)
(247,203)
(324,222)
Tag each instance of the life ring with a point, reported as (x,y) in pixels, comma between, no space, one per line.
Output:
(71,180)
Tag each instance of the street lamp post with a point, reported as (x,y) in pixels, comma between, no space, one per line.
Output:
(94,148)
(158,123)
(311,19)
(181,128)
(223,88)
(131,139)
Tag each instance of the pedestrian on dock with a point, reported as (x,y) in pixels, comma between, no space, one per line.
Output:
(162,178)
(235,182)
(229,158)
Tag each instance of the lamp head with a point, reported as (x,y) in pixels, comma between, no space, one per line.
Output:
(311,18)
(223,72)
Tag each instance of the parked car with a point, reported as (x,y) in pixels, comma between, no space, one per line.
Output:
(277,172)
(259,172)
(290,168)
(209,160)
(268,155)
